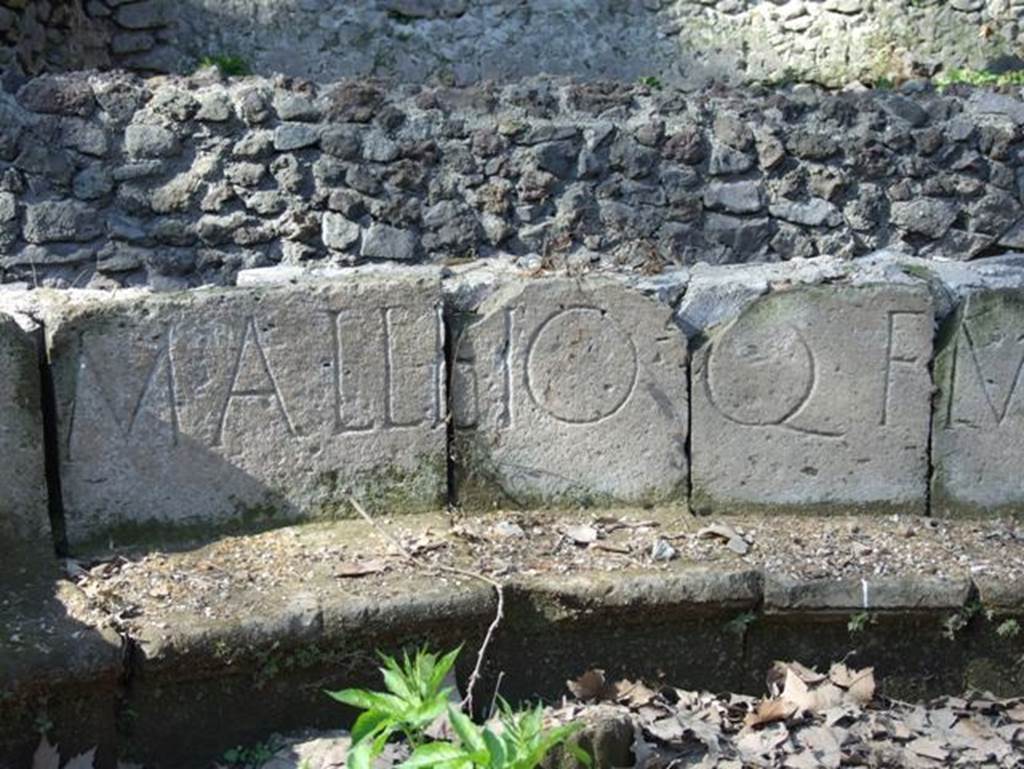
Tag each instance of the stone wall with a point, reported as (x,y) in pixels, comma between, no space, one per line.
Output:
(464,41)
(110,180)
(806,386)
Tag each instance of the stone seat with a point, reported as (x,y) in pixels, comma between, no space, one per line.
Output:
(246,632)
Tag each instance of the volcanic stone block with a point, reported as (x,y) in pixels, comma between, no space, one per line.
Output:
(568,392)
(978,425)
(23,511)
(257,405)
(815,399)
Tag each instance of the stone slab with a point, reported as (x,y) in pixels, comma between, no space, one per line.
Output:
(978,425)
(247,406)
(568,392)
(816,399)
(23,497)
(867,594)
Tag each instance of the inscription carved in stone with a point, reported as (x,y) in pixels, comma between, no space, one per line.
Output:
(23,514)
(567,392)
(815,398)
(220,406)
(978,434)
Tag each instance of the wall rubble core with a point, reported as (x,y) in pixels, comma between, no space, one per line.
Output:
(465,41)
(109,180)
(811,391)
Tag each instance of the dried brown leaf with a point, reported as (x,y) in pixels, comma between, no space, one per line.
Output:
(591,686)
(928,748)
(360,568)
(769,711)
(82,760)
(46,756)
(824,743)
(634,693)
(779,669)
(859,684)
(719,531)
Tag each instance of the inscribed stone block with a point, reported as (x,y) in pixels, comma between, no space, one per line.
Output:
(569,392)
(815,398)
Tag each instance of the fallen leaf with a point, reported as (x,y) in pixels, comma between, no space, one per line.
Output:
(82,760)
(360,568)
(769,711)
(811,698)
(777,673)
(633,693)
(719,531)
(591,686)
(859,684)
(668,730)
(46,756)
(822,741)
(928,748)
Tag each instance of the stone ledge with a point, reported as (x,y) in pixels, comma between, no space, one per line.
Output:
(867,594)
(288,630)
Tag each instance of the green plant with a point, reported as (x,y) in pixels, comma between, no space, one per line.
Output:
(255,756)
(413,701)
(979,77)
(521,743)
(416,698)
(859,622)
(650,81)
(956,622)
(739,624)
(1008,629)
(228,65)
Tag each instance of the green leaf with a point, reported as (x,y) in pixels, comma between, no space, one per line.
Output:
(360,756)
(435,754)
(579,754)
(468,732)
(397,684)
(368,723)
(366,700)
(495,748)
(442,667)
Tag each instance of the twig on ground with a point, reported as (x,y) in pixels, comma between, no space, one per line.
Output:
(499,613)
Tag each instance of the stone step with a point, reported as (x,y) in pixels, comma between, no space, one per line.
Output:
(248,631)
(810,389)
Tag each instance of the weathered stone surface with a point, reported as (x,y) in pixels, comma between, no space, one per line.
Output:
(338,232)
(61,221)
(23,511)
(978,425)
(867,594)
(815,398)
(382,241)
(567,393)
(247,405)
(150,141)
